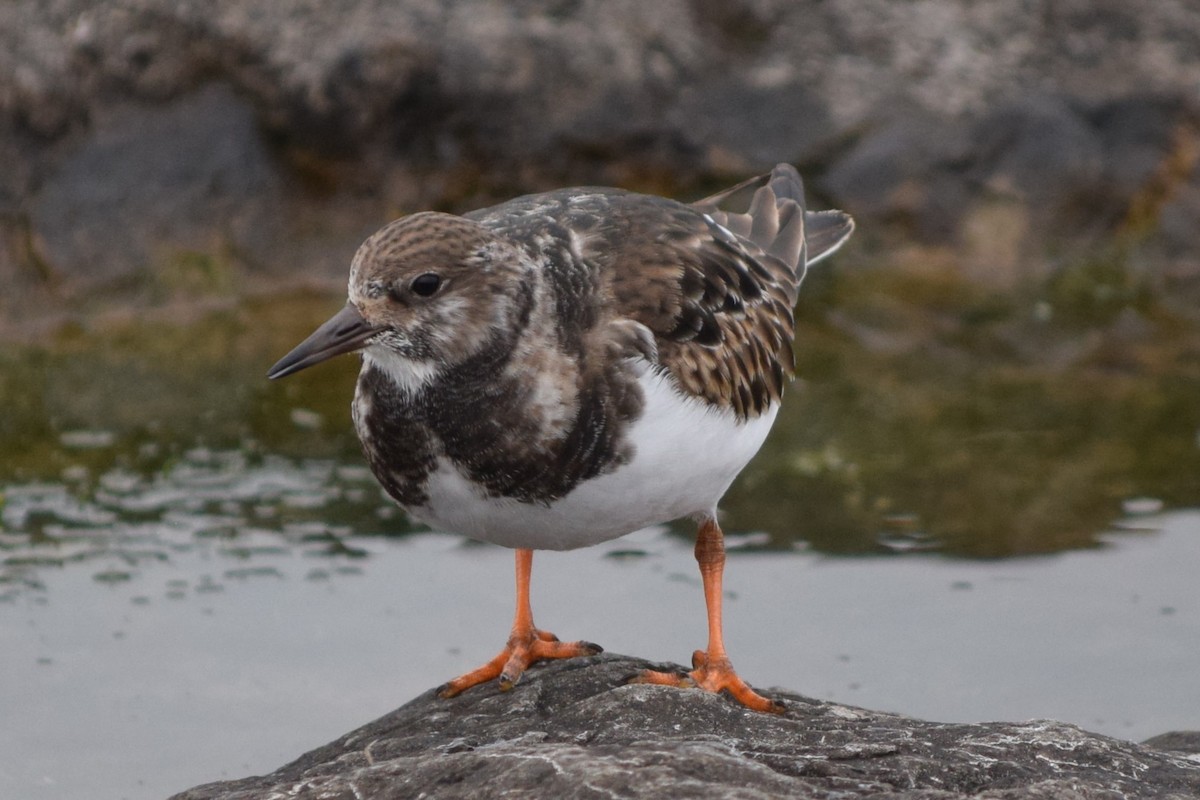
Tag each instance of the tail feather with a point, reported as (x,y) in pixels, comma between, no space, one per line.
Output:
(764,216)
(792,235)
(825,232)
(743,191)
(776,218)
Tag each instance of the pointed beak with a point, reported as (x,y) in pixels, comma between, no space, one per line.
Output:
(345,332)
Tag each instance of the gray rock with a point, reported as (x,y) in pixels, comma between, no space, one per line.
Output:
(906,173)
(154,181)
(1039,150)
(1176,742)
(574,730)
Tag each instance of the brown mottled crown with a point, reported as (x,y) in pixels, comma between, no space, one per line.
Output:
(479,297)
(427,238)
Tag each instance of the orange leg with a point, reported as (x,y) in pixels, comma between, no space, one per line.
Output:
(711,669)
(526,644)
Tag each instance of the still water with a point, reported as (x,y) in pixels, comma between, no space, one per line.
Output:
(200,580)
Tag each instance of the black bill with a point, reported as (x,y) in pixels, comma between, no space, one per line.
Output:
(345,332)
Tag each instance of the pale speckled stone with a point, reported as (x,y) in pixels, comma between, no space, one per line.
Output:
(573,730)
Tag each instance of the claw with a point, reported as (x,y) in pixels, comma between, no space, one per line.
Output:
(713,675)
(521,652)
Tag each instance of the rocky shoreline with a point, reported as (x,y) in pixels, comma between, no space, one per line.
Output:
(574,730)
(160,150)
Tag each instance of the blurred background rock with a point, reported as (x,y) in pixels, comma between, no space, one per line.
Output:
(187,148)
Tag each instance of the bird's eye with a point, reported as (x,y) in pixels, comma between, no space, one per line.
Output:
(426,285)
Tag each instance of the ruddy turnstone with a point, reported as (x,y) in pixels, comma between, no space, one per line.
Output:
(568,367)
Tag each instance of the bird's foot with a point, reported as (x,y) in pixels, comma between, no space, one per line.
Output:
(523,650)
(712,675)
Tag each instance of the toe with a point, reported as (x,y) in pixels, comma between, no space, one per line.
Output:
(755,701)
(680,680)
(522,651)
(713,675)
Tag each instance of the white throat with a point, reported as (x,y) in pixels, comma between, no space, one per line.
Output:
(409,375)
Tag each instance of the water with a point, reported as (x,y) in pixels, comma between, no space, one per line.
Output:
(199,579)
(220,662)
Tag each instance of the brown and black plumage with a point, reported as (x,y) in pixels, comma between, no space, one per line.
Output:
(570,366)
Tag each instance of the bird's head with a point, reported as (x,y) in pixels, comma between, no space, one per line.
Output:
(426,292)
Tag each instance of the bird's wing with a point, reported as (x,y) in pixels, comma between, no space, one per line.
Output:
(715,286)
(713,282)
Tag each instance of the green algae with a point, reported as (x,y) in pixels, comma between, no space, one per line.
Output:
(985,424)
(929,412)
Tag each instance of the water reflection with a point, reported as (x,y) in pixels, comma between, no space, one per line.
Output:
(924,418)
(929,406)
(232,504)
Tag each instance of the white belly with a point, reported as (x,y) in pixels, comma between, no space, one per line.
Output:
(687,454)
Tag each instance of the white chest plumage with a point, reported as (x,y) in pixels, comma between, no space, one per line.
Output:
(687,453)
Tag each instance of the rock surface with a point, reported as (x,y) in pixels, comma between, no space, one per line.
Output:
(198,144)
(573,730)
